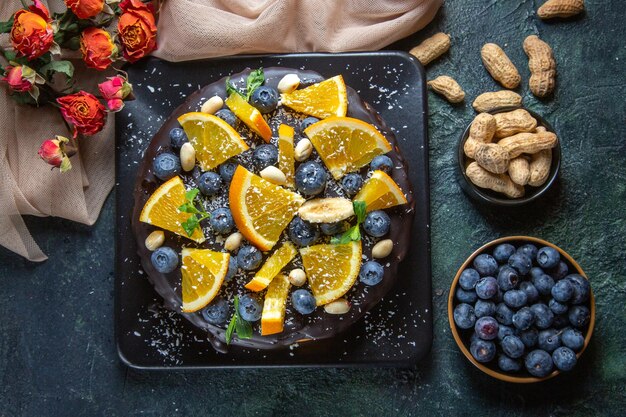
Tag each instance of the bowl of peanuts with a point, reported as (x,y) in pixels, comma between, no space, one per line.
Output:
(508,157)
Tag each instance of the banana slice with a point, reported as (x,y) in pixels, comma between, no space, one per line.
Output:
(326,210)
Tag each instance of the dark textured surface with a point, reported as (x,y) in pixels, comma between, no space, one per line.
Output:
(57,353)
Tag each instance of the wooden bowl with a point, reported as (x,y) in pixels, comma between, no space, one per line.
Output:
(464,344)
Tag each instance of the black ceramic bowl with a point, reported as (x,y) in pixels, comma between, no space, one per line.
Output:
(484,195)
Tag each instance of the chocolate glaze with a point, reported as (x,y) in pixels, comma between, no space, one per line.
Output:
(298,328)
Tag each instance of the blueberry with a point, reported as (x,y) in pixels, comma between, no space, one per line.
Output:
(232,268)
(486,287)
(483,308)
(531,291)
(330,229)
(303,301)
(562,291)
(508,364)
(548,340)
(573,339)
(302,233)
(539,363)
(227,170)
(383,163)
(515,298)
(512,346)
(486,265)
(486,328)
(216,312)
(377,223)
(520,262)
(504,331)
(166,166)
(523,318)
(582,289)
(535,271)
(503,252)
(560,271)
(468,279)
(371,273)
(467,296)
(265,155)
(164,259)
(210,183)
(249,307)
(529,250)
(307,122)
(507,278)
(464,316)
(556,307)
(221,220)
(310,178)
(543,283)
(265,99)
(178,138)
(528,337)
(227,116)
(352,183)
(560,321)
(504,315)
(548,257)
(483,350)
(579,316)
(249,258)
(543,315)
(564,358)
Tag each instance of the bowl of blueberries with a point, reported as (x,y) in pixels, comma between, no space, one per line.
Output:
(521,309)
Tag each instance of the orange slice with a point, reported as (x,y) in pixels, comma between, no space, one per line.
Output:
(286,154)
(261,210)
(161,209)
(249,115)
(273,315)
(213,139)
(346,144)
(331,269)
(274,264)
(322,100)
(380,192)
(203,273)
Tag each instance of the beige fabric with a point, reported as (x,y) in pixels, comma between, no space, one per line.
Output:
(188,29)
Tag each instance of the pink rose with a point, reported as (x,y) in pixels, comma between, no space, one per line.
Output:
(114,91)
(53,152)
(22,79)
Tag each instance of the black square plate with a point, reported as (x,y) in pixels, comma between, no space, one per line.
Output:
(397,332)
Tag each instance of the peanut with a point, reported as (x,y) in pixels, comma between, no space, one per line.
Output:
(303,150)
(540,167)
(382,249)
(539,129)
(212,105)
(155,240)
(519,170)
(500,66)
(288,83)
(274,175)
(431,48)
(560,8)
(482,130)
(233,242)
(500,183)
(339,306)
(542,66)
(513,122)
(497,99)
(187,156)
(297,277)
(528,143)
(447,87)
(494,158)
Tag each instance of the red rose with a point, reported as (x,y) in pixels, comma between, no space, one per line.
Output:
(85,9)
(97,47)
(32,34)
(53,152)
(84,111)
(137,30)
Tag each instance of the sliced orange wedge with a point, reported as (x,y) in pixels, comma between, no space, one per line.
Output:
(331,269)
(203,273)
(286,154)
(249,115)
(261,210)
(346,144)
(324,99)
(213,139)
(273,315)
(380,191)
(161,209)
(272,266)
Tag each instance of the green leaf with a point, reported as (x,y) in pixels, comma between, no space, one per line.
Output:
(230,88)
(360,210)
(254,81)
(10,55)
(23,98)
(188,208)
(5,27)
(230,329)
(64,67)
(190,224)
(191,194)
(355,232)
(243,328)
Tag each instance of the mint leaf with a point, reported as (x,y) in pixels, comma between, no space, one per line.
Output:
(353,233)
(230,329)
(5,27)
(254,81)
(64,67)
(191,194)
(188,208)
(190,225)
(243,328)
(360,210)
(231,89)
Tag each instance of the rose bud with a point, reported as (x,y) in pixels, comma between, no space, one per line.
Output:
(85,9)
(53,152)
(84,111)
(114,91)
(137,29)
(22,79)
(32,34)
(97,47)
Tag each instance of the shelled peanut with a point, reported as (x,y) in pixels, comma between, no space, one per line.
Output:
(431,48)
(560,8)
(448,88)
(500,66)
(542,66)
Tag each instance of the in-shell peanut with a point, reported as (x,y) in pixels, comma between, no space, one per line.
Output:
(500,183)
(274,175)
(542,66)
(560,8)
(187,156)
(382,249)
(497,100)
(303,150)
(431,48)
(482,129)
(448,88)
(494,158)
(155,240)
(519,170)
(528,143)
(297,277)
(288,83)
(500,66)
(512,122)
(339,306)
(233,242)
(540,167)
(212,105)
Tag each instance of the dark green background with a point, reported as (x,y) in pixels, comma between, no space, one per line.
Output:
(57,351)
